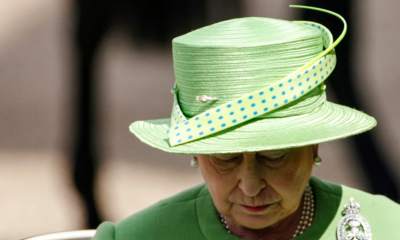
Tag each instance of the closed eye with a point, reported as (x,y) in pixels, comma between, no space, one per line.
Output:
(225,164)
(226,160)
(275,160)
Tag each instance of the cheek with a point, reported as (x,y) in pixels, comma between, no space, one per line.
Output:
(220,186)
(290,183)
(300,170)
(285,178)
(301,175)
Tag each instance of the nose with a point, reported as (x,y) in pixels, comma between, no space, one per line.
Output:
(251,176)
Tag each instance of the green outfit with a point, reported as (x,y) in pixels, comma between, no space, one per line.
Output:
(191,215)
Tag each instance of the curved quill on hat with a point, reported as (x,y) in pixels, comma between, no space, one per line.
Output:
(268,76)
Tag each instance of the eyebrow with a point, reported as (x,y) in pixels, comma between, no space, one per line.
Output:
(228,155)
(276,152)
(269,152)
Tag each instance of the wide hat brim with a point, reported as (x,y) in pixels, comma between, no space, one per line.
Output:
(327,122)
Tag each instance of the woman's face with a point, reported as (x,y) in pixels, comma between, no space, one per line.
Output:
(259,189)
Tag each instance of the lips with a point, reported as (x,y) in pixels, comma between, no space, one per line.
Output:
(256,208)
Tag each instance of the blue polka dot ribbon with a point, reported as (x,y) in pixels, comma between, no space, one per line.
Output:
(257,103)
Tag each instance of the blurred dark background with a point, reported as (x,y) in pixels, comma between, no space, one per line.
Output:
(76,74)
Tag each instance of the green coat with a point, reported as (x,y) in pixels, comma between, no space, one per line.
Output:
(191,215)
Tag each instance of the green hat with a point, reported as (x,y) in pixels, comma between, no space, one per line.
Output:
(252,84)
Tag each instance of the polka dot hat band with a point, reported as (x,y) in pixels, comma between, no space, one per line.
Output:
(260,102)
(252,84)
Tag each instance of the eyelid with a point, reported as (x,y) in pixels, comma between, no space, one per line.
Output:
(226,157)
(227,161)
(272,159)
(275,156)
(225,166)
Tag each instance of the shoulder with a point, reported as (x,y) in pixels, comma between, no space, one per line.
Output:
(171,218)
(381,213)
(105,231)
(344,193)
(171,207)
(377,207)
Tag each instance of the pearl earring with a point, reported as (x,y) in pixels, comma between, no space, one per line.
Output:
(193,162)
(317,161)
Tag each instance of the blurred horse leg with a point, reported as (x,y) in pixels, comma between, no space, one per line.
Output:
(91,27)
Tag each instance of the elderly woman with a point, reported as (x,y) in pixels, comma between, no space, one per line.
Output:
(250,106)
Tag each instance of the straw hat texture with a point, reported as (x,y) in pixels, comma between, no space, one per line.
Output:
(252,84)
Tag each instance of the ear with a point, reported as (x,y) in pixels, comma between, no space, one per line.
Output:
(315,150)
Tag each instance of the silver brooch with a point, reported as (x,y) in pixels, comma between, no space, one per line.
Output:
(205,98)
(353,226)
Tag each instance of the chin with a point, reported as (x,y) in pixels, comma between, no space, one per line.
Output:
(256,222)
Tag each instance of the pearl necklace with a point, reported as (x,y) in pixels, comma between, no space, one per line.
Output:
(306,215)
(308,212)
(223,221)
